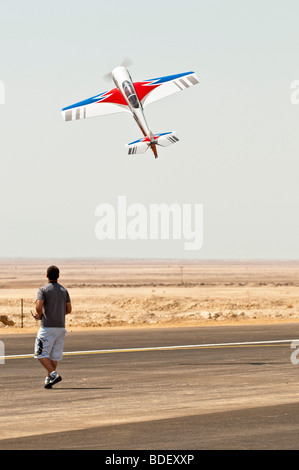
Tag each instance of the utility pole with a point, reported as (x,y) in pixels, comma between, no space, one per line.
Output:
(22,313)
(181,274)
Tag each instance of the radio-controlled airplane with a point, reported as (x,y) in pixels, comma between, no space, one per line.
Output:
(132,97)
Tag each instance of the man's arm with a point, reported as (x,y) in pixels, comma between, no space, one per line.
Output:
(68,308)
(39,309)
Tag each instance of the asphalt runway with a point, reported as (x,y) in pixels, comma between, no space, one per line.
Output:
(198,388)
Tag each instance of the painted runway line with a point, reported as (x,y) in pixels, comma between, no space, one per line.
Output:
(163,348)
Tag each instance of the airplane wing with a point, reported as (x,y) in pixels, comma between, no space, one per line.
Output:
(154,89)
(108,102)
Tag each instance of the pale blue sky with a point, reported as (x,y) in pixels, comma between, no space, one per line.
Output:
(238,153)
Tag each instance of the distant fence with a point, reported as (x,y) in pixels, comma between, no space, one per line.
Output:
(9,322)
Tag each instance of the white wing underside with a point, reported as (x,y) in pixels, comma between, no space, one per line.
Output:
(169,88)
(92,110)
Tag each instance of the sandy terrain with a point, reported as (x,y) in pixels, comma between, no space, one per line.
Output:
(124,293)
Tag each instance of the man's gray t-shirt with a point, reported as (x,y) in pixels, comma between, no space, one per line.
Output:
(55,297)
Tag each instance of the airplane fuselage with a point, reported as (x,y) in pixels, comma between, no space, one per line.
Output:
(124,83)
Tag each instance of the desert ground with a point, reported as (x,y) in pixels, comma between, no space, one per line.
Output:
(136,293)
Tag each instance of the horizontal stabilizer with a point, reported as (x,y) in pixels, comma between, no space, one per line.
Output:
(141,145)
(166,139)
(137,147)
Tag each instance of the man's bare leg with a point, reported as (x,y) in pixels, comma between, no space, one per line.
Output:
(48,364)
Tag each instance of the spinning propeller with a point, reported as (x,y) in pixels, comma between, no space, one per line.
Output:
(125,63)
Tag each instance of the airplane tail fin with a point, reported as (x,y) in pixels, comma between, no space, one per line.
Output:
(141,145)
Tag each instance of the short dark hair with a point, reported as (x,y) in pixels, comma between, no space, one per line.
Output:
(53,273)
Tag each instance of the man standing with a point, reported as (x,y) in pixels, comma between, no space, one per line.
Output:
(52,304)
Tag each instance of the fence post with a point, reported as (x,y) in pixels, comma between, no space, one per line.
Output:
(22,313)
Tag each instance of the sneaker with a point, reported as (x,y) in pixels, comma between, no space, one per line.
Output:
(54,378)
(47,383)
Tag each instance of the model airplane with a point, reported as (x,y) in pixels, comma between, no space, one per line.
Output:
(133,97)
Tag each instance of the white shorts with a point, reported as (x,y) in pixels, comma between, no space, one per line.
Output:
(49,343)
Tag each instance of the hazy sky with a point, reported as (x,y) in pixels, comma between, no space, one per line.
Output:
(238,153)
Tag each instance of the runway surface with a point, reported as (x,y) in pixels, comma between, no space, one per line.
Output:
(224,387)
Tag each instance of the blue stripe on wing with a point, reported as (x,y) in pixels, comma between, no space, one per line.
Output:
(168,78)
(93,99)
(142,138)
